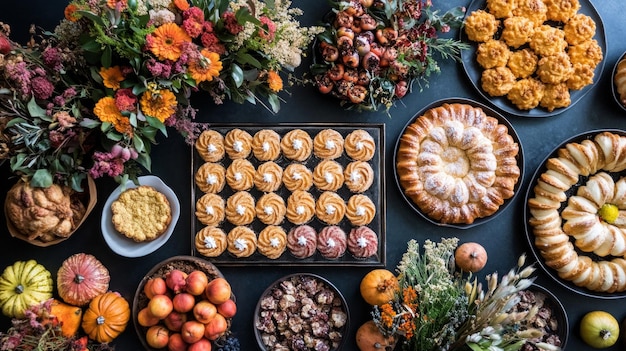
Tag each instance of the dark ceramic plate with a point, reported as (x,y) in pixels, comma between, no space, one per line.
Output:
(558,313)
(529,230)
(613,86)
(474,70)
(278,289)
(490,112)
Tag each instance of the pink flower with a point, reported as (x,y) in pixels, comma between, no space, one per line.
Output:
(193,21)
(212,43)
(268,28)
(42,88)
(125,100)
(230,23)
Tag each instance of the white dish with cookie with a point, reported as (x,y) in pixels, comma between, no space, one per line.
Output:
(126,246)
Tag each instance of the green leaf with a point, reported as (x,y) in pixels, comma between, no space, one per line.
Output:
(35,110)
(14,121)
(41,179)
(139,145)
(89,123)
(237,74)
(155,123)
(144,160)
(474,346)
(92,46)
(274,102)
(76,181)
(92,16)
(107,56)
(247,59)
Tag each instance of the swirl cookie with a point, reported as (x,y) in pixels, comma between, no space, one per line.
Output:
(240,208)
(210,209)
(328,144)
(360,210)
(362,242)
(360,145)
(297,176)
(297,145)
(238,144)
(302,241)
(210,241)
(240,175)
(268,177)
(332,242)
(210,177)
(328,175)
(330,208)
(359,176)
(272,242)
(266,145)
(210,146)
(270,209)
(300,207)
(242,242)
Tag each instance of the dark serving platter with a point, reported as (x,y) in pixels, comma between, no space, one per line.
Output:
(474,70)
(490,112)
(376,193)
(613,86)
(529,230)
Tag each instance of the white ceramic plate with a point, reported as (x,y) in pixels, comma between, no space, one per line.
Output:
(124,246)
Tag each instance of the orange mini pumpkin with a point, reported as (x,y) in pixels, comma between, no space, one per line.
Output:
(370,338)
(470,257)
(379,286)
(106,318)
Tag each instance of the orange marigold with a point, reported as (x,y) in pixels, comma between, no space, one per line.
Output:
(111,77)
(160,104)
(113,3)
(70,13)
(387,314)
(107,112)
(182,5)
(206,67)
(166,42)
(274,81)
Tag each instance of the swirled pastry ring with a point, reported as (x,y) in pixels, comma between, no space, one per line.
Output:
(581,245)
(457,164)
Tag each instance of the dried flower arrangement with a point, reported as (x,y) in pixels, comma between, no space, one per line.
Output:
(437,308)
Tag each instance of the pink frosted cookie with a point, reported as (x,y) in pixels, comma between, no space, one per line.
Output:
(332,242)
(302,241)
(362,242)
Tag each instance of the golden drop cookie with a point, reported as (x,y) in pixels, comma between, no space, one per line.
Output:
(268,177)
(555,68)
(360,210)
(586,53)
(548,40)
(300,207)
(579,29)
(330,208)
(271,209)
(210,146)
(497,81)
(266,145)
(359,176)
(481,26)
(328,175)
(272,242)
(526,93)
(562,10)
(297,176)
(523,63)
(238,143)
(328,144)
(210,177)
(240,175)
(297,145)
(492,53)
(517,31)
(535,10)
(501,8)
(242,241)
(555,96)
(582,76)
(210,241)
(240,208)
(210,209)
(360,145)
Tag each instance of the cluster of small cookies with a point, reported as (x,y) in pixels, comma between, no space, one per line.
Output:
(257,181)
(534,51)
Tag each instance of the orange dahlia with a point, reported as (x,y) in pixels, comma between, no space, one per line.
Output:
(70,13)
(166,42)
(160,104)
(107,112)
(111,77)
(274,81)
(206,67)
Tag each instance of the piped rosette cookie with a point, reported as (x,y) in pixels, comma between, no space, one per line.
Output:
(577,213)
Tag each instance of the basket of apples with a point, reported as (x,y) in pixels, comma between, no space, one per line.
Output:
(183,303)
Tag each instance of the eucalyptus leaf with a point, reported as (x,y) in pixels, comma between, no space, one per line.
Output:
(41,179)
(15,121)
(144,160)
(35,110)
(237,74)
(154,122)
(274,102)
(92,16)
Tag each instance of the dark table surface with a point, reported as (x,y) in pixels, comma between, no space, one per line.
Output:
(504,237)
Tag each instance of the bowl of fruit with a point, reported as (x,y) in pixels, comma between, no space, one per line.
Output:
(183,303)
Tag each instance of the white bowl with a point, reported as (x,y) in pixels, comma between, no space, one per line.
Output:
(124,246)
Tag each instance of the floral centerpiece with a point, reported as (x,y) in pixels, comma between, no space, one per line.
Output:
(373,51)
(437,308)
